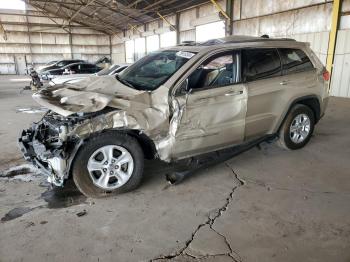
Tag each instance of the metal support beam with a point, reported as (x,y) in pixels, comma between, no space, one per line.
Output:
(220,9)
(134,28)
(70,41)
(177,18)
(333,34)
(28,34)
(64,2)
(79,10)
(229,22)
(3,31)
(48,16)
(166,21)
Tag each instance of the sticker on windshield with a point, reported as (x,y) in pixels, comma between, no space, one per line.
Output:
(184,54)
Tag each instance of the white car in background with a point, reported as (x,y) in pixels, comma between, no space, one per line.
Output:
(70,79)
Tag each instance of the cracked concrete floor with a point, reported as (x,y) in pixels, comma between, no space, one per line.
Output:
(266,204)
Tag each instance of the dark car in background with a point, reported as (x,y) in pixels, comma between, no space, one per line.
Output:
(58,64)
(70,79)
(75,68)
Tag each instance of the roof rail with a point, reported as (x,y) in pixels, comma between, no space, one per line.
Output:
(188,43)
(229,40)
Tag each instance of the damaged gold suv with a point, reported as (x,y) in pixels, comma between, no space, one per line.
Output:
(173,104)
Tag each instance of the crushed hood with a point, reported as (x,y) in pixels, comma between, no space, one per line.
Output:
(90,95)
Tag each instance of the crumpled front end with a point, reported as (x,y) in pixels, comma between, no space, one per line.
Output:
(79,111)
(47,146)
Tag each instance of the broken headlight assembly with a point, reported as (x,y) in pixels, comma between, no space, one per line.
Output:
(50,145)
(46,144)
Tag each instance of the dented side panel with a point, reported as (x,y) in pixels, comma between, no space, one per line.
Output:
(210,119)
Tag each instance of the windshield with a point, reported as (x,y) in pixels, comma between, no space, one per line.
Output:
(154,69)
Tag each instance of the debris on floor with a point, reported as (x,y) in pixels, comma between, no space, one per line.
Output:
(61,197)
(82,213)
(24,173)
(15,213)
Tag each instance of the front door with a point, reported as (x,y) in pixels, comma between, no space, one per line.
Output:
(213,110)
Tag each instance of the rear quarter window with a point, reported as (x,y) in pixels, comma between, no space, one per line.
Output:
(260,63)
(295,61)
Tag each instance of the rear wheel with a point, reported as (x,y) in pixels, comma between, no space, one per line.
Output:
(298,127)
(108,164)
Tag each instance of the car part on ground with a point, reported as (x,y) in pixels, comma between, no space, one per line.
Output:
(181,102)
(35,83)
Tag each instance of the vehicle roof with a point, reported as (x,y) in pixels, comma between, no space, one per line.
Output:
(70,60)
(237,41)
(78,63)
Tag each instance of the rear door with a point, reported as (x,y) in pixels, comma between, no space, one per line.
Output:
(213,108)
(299,73)
(262,74)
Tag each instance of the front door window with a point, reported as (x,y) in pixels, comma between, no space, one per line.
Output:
(219,70)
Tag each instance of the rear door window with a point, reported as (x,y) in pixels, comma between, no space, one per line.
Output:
(294,61)
(260,64)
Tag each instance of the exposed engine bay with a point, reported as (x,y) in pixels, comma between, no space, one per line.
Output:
(48,145)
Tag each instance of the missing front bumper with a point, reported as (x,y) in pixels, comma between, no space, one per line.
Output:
(47,161)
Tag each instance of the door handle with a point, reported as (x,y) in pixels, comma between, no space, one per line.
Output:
(284,82)
(234,93)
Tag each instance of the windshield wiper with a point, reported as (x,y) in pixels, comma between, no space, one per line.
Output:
(124,82)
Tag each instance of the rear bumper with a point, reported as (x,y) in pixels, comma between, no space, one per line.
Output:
(324,106)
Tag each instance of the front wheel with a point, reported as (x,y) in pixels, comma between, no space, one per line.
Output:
(108,164)
(297,128)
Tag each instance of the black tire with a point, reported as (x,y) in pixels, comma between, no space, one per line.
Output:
(285,140)
(81,175)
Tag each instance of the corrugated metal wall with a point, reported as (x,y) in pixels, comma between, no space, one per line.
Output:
(188,35)
(340,85)
(318,43)
(37,44)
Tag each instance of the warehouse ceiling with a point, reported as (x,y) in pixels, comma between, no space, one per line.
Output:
(111,16)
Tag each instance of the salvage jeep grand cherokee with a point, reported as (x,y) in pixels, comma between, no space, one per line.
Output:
(173,104)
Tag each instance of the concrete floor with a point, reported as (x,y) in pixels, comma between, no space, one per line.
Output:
(266,204)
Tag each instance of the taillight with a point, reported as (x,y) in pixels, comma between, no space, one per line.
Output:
(325,75)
